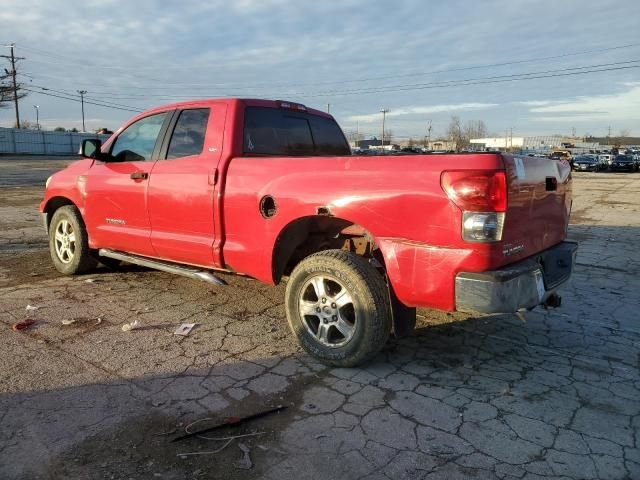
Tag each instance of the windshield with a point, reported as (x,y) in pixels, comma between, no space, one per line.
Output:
(274,131)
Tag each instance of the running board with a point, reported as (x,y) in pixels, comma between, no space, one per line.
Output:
(169,267)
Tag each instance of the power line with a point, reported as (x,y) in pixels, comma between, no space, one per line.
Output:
(467,82)
(77,100)
(325,82)
(571,71)
(400,87)
(70,93)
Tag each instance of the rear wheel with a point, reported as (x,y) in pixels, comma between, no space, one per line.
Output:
(338,306)
(68,242)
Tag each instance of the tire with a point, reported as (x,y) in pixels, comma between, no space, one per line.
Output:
(68,242)
(355,327)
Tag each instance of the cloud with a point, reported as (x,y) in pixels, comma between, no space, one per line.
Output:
(141,55)
(618,107)
(374,117)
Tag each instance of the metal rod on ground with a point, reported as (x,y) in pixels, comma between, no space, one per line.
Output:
(231,421)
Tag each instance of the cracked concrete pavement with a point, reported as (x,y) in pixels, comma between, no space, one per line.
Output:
(466,397)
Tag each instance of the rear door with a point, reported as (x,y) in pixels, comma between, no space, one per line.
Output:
(182,185)
(116,189)
(539,204)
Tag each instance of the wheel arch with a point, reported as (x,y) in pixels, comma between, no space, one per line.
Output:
(53,204)
(308,235)
(305,236)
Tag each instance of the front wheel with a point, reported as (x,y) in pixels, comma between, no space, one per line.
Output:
(68,242)
(337,305)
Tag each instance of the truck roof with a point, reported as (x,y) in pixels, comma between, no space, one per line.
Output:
(234,102)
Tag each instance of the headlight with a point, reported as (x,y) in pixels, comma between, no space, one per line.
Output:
(46,184)
(482,226)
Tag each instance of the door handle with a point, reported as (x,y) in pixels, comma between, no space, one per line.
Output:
(139,175)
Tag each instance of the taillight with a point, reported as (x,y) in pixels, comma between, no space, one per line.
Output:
(482,197)
(476,190)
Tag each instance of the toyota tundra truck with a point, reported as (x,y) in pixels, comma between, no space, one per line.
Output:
(270,190)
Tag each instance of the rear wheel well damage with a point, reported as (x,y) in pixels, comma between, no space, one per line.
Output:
(308,235)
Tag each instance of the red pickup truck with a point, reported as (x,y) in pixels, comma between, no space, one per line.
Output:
(269,189)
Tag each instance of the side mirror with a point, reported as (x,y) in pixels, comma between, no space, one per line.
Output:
(90,148)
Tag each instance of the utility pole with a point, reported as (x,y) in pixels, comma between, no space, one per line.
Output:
(428,137)
(384,112)
(511,137)
(328,108)
(13,74)
(82,94)
(37,107)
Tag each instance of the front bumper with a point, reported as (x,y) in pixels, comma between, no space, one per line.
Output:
(523,284)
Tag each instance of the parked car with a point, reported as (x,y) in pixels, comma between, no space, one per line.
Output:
(270,190)
(623,163)
(586,163)
(606,158)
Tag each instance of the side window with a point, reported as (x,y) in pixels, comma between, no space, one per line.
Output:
(135,144)
(188,135)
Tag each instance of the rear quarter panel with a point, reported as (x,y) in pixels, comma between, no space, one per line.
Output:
(397,199)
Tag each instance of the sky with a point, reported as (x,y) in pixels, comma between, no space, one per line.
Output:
(531,67)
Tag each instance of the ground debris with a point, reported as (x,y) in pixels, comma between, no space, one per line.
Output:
(184,329)
(23,325)
(131,326)
(245,462)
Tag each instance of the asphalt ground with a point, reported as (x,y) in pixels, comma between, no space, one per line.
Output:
(556,396)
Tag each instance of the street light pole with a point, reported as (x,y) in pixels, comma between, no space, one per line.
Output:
(37,107)
(384,112)
(82,94)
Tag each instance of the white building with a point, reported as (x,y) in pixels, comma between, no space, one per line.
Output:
(498,142)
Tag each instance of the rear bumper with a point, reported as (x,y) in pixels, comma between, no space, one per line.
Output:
(524,284)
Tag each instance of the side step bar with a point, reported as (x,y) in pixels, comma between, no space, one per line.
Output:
(169,267)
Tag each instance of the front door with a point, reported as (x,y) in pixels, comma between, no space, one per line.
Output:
(116,188)
(182,185)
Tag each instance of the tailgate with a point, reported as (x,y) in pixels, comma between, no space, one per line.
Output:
(538,206)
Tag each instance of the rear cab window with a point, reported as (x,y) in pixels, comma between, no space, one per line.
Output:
(273,131)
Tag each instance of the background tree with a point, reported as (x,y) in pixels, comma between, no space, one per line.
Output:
(26,124)
(456,134)
(353,136)
(476,129)
(461,133)
(621,138)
